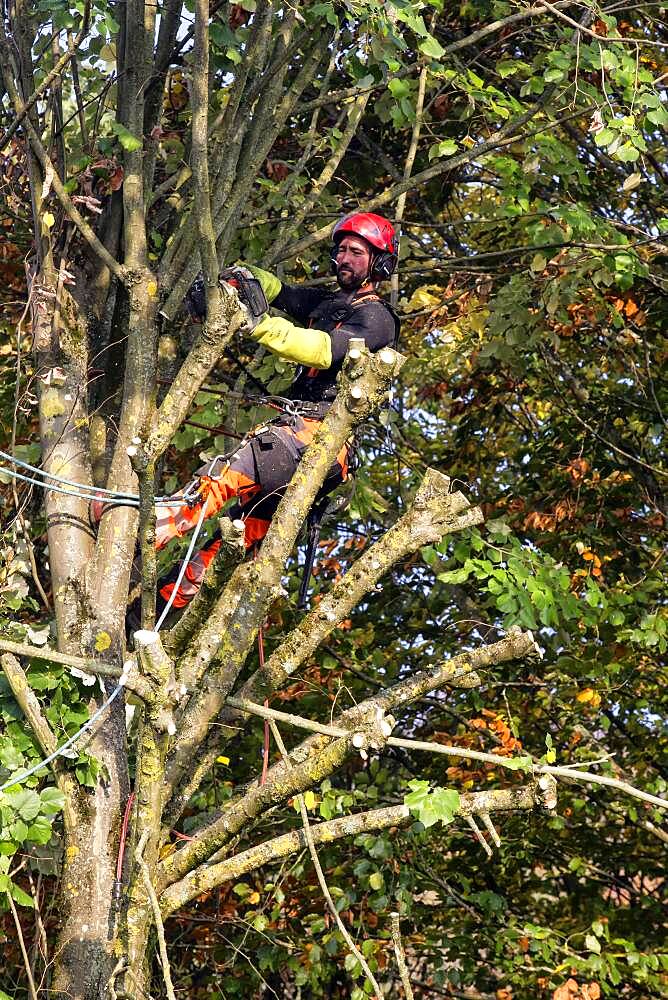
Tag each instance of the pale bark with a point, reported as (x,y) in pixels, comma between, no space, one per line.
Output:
(209,876)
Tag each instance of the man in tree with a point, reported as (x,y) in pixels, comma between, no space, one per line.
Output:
(364,253)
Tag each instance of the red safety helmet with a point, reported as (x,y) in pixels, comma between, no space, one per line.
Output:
(378,232)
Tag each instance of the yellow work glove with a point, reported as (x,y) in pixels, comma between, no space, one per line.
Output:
(307,347)
(271,285)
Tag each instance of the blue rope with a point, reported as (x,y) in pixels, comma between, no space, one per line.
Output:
(183,568)
(100,493)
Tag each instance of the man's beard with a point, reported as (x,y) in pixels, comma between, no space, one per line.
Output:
(348,281)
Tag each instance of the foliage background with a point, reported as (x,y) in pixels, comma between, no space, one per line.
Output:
(532,295)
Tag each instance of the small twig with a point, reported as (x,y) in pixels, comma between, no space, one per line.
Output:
(155,907)
(22,945)
(46,653)
(401,958)
(321,877)
(491,829)
(408,167)
(478,836)
(41,943)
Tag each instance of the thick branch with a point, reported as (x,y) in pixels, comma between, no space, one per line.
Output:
(206,351)
(433,513)
(211,876)
(366,714)
(218,572)
(199,157)
(459,669)
(54,656)
(240,812)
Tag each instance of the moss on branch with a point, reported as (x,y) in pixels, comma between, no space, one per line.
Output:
(205,878)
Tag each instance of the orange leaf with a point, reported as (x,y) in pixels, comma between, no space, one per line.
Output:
(577,469)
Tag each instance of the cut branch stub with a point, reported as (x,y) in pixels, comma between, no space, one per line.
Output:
(158,687)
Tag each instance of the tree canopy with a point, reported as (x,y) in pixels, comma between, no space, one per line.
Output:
(520,150)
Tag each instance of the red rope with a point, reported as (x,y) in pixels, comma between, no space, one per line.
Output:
(124,836)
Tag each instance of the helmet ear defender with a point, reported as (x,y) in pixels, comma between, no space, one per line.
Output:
(383,265)
(332,259)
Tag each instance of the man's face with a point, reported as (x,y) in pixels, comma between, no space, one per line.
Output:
(353,260)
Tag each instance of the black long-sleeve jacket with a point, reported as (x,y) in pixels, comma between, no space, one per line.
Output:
(342,315)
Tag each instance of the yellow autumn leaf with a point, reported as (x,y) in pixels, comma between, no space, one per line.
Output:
(253,899)
(588,696)
(222,760)
(423,298)
(152,288)
(48,219)
(310,800)
(102,641)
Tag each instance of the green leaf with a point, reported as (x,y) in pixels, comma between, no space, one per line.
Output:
(26,803)
(376,881)
(658,116)
(592,944)
(52,801)
(506,69)
(431,807)
(128,141)
(524,763)
(39,832)
(627,153)
(399,88)
(604,137)
(447,147)
(19,896)
(432,48)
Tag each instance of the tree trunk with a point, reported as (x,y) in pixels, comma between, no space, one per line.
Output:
(85,949)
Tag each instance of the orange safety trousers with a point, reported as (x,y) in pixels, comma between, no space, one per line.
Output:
(256,475)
